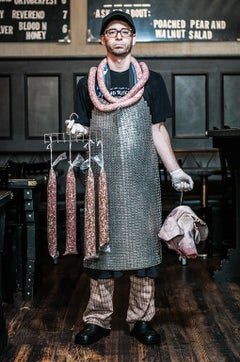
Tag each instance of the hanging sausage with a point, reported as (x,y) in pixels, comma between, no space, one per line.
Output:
(71,207)
(89,212)
(52,214)
(52,205)
(102,202)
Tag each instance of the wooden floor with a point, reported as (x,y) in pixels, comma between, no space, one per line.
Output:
(198,320)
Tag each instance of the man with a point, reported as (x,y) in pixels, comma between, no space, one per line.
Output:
(126,106)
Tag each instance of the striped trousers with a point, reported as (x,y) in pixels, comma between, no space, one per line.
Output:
(100,305)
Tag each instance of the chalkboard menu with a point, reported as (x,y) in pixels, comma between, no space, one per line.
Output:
(35,21)
(172,20)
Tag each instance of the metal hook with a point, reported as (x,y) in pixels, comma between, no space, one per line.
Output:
(99,158)
(100,143)
(73,114)
(88,144)
(49,147)
(70,149)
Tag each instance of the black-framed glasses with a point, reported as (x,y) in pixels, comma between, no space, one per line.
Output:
(125,33)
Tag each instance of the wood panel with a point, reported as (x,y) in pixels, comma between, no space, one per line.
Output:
(231,104)
(5,109)
(190,105)
(43,108)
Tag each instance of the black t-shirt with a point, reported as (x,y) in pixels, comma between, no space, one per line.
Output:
(118,83)
(155,94)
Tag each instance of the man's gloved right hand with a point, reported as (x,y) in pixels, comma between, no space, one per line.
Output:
(77,129)
(181,181)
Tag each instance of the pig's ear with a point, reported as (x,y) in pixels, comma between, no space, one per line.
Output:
(203,229)
(170,229)
(196,233)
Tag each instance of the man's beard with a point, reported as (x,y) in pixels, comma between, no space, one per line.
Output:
(119,51)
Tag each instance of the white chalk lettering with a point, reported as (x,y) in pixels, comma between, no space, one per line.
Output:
(27,25)
(218,24)
(169,23)
(200,35)
(6,29)
(28,14)
(170,33)
(44,25)
(1,14)
(138,13)
(101,13)
(35,2)
(35,35)
(199,24)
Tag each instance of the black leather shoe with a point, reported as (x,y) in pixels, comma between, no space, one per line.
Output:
(90,334)
(144,333)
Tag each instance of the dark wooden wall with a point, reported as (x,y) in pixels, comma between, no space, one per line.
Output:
(37,97)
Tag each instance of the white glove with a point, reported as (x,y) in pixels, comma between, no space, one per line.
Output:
(181,181)
(75,128)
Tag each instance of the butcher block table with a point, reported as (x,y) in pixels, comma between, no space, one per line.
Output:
(29,189)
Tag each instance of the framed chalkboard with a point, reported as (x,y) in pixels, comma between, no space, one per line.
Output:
(35,21)
(172,20)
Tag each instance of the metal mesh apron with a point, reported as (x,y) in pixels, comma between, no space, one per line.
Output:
(131,165)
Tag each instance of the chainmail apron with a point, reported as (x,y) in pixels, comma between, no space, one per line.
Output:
(131,165)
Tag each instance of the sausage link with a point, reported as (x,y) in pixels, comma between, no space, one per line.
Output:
(132,97)
(89,219)
(103,210)
(71,231)
(52,214)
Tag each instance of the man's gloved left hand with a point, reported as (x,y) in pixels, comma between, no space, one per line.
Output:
(73,128)
(181,181)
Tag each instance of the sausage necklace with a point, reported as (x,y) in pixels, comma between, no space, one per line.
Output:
(132,97)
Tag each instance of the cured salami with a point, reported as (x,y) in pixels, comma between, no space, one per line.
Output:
(89,218)
(103,211)
(71,231)
(52,214)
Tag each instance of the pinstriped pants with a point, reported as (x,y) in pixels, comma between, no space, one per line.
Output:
(100,305)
